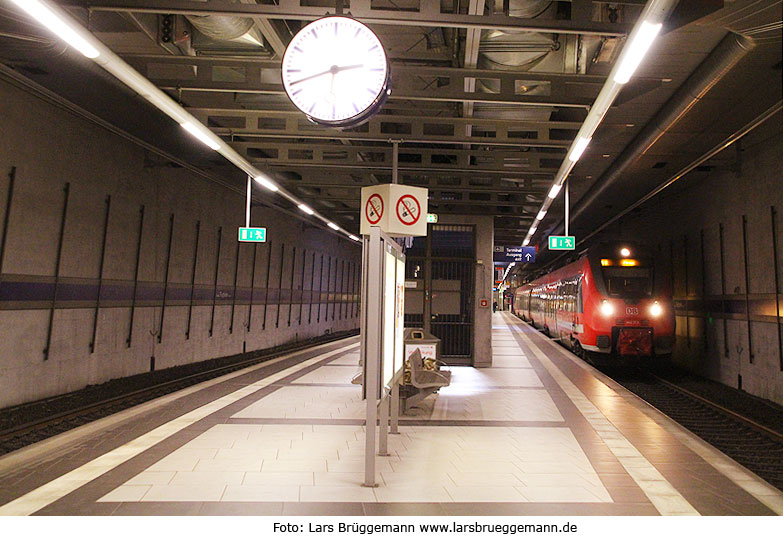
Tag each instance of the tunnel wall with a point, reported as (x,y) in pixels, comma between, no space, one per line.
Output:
(729,213)
(51,147)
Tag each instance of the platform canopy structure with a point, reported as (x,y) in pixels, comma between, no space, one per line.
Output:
(488,98)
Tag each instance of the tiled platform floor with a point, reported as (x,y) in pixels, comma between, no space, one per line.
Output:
(538,433)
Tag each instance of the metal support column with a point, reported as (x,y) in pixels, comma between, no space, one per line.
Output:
(193,279)
(214,291)
(166,280)
(135,278)
(66,191)
(100,275)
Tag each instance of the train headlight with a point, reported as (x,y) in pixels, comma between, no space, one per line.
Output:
(656,310)
(607,309)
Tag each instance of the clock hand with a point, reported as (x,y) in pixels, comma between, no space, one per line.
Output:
(347,67)
(328,71)
(333,70)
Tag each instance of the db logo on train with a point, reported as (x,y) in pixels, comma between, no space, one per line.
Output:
(632,311)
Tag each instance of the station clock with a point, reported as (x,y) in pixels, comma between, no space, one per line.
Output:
(335,70)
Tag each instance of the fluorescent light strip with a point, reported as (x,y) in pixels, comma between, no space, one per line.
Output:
(61,23)
(306,209)
(58,26)
(202,136)
(266,183)
(526,242)
(636,50)
(353,237)
(578,148)
(332,225)
(541,215)
(554,191)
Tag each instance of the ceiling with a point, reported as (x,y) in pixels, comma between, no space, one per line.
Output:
(487,96)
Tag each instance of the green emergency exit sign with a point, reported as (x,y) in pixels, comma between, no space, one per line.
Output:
(252,235)
(562,242)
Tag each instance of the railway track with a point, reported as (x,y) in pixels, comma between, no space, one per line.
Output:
(48,423)
(756,446)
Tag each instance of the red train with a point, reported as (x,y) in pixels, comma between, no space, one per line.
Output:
(605,303)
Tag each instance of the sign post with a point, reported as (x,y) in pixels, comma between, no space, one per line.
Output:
(383,310)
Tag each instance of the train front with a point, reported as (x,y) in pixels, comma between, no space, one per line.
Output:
(631,313)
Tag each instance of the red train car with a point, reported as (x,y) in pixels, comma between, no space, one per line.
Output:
(606,303)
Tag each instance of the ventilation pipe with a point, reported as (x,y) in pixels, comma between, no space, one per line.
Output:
(721,60)
(227,28)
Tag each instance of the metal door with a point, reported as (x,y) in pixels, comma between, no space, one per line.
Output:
(440,284)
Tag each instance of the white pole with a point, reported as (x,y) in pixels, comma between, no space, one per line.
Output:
(566,207)
(247,206)
(395,161)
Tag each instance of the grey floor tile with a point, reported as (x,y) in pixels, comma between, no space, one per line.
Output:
(241,509)
(323,509)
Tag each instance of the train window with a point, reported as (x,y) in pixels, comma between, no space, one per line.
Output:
(628,281)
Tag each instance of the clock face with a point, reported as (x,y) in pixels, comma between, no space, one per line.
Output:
(335,71)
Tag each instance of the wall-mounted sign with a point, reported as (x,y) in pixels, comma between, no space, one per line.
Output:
(398,210)
(432,218)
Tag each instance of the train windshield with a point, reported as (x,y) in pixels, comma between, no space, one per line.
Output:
(628,281)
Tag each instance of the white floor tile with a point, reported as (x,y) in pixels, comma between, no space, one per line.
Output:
(281,478)
(412,494)
(260,493)
(485,494)
(184,493)
(125,493)
(207,478)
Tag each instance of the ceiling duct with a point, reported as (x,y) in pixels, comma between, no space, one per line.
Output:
(515,51)
(228,28)
(721,60)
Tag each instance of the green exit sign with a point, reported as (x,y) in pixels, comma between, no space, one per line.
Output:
(252,235)
(562,242)
(432,217)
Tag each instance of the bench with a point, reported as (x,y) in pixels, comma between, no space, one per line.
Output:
(426,381)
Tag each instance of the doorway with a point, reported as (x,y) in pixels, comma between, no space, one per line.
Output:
(440,284)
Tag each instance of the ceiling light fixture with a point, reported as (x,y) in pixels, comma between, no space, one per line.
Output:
(266,183)
(58,25)
(70,30)
(306,209)
(578,149)
(201,135)
(332,225)
(554,191)
(635,51)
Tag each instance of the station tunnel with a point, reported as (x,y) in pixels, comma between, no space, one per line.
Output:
(140,143)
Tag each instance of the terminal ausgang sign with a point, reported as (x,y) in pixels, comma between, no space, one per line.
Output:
(515,254)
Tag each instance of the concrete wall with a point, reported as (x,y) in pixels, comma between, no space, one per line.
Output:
(685,224)
(482,331)
(51,147)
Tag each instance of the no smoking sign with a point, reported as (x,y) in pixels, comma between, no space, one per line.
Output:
(408,210)
(396,209)
(373,209)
